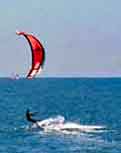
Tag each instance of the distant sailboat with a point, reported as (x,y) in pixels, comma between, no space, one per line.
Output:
(15,76)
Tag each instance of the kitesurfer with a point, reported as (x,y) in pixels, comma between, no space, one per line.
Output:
(29,116)
(58,121)
(58,124)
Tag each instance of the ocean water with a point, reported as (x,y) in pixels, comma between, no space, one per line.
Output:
(92,101)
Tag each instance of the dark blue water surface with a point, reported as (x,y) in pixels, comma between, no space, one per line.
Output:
(81,100)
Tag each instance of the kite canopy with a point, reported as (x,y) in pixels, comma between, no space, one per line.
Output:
(38,54)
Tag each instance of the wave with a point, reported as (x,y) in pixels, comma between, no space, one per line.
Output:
(58,124)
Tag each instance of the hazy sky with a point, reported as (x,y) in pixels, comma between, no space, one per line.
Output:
(80,37)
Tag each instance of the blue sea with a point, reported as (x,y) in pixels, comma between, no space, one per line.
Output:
(87,101)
